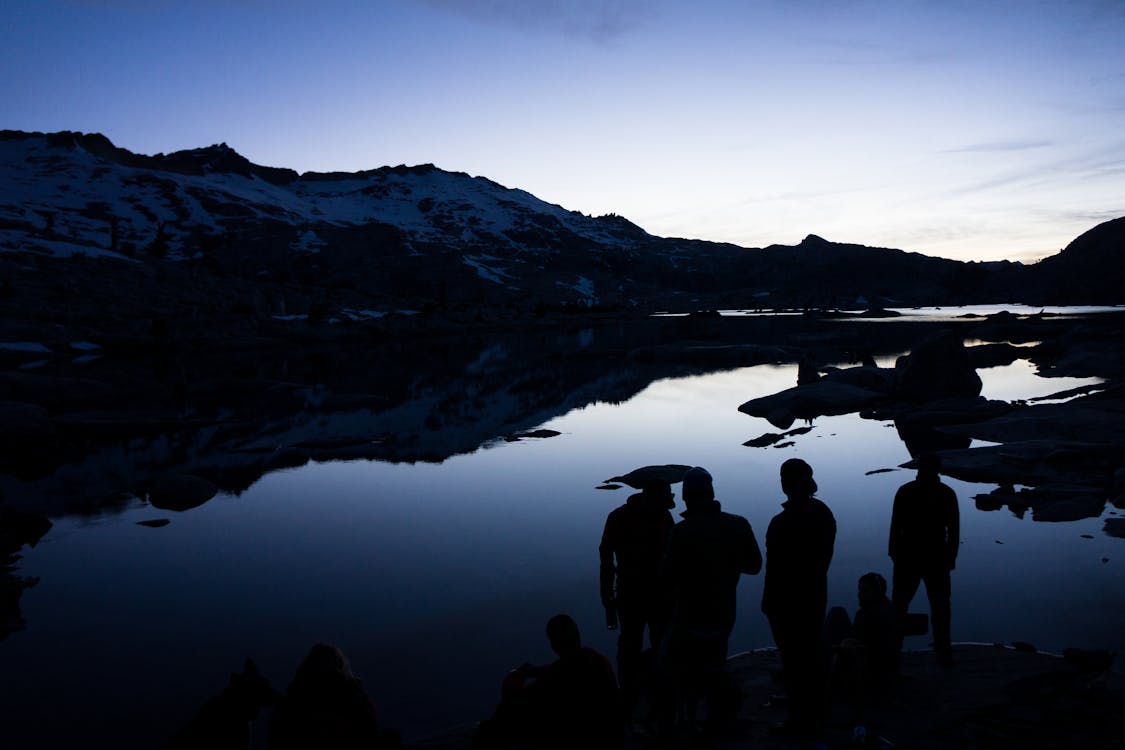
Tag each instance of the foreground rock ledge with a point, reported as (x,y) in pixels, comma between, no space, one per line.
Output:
(996,697)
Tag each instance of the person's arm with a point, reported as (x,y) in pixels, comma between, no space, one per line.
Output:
(952,528)
(896,526)
(752,562)
(608,571)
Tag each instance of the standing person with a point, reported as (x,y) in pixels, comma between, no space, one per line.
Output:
(707,553)
(631,551)
(925,534)
(799,544)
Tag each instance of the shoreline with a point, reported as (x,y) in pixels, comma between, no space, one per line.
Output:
(997,696)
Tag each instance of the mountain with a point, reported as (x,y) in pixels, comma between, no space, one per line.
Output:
(1090,269)
(227,234)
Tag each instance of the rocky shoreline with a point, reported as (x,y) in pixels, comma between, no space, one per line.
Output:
(997,696)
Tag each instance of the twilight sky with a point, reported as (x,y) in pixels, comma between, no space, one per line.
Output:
(972,129)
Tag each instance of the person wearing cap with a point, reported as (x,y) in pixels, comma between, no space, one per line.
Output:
(708,551)
(799,545)
(631,552)
(925,534)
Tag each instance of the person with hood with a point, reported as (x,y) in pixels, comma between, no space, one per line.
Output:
(708,551)
(925,534)
(799,545)
(327,707)
(631,551)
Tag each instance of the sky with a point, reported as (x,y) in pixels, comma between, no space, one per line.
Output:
(969,129)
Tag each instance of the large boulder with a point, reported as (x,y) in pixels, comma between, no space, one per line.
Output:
(822,398)
(937,367)
(180,492)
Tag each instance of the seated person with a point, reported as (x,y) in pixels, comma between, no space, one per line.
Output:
(570,703)
(326,707)
(866,651)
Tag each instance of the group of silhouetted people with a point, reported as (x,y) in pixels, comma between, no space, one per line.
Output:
(678,582)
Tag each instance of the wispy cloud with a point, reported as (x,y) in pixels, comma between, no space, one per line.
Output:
(997,146)
(598,20)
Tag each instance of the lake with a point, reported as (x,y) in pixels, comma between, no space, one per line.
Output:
(435,578)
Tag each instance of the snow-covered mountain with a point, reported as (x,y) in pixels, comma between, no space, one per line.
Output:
(68,193)
(359,245)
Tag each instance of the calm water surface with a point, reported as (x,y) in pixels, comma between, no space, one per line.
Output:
(436,578)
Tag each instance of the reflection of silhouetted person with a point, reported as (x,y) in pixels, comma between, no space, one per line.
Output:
(570,703)
(807,371)
(326,707)
(635,537)
(925,531)
(707,553)
(799,545)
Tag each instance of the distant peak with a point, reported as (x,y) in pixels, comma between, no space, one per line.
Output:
(814,240)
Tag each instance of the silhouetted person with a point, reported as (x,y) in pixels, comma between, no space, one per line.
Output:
(224,721)
(573,702)
(799,544)
(925,533)
(632,550)
(707,553)
(326,707)
(866,650)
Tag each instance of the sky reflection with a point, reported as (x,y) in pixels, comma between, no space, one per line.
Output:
(436,578)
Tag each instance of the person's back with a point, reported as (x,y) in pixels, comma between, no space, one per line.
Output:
(799,544)
(634,540)
(924,517)
(923,543)
(325,707)
(576,700)
(570,703)
(708,551)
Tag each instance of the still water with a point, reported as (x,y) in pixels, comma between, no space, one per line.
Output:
(436,578)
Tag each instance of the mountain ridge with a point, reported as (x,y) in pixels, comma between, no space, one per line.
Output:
(424,237)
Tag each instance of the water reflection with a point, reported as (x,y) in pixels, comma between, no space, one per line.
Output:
(388,559)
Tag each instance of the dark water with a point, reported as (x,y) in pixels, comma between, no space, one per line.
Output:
(437,577)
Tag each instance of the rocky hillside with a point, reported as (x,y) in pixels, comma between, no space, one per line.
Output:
(365,244)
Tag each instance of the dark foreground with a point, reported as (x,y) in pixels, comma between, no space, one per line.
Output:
(996,697)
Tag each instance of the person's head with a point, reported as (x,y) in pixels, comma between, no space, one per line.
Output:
(872,589)
(562,632)
(697,486)
(929,465)
(323,661)
(796,479)
(660,493)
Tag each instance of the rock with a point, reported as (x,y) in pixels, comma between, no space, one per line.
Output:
(1059,505)
(877,471)
(532,434)
(179,492)
(880,379)
(638,478)
(937,367)
(18,528)
(823,398)
(995,355)
(287,458)
(608,487)
(762,441)
(1115,527)
(154,523)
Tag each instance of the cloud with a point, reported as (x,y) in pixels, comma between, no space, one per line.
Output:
(598,20)
(997,146)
